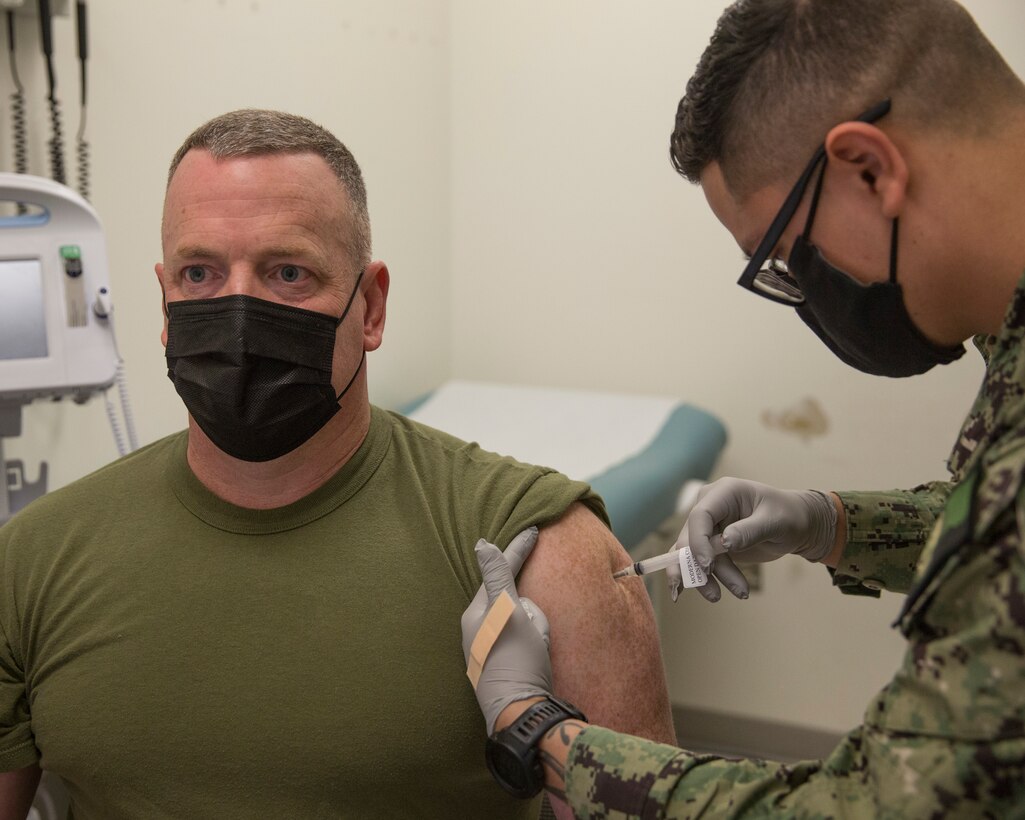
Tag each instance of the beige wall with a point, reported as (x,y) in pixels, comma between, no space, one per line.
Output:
(516,158)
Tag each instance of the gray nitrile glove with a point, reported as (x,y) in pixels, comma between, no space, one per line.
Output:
(758,523)
(518,666)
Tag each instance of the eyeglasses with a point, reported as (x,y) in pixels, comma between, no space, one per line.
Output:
(772,279)
(775,282)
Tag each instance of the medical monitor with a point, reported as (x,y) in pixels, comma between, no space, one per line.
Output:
(53,264)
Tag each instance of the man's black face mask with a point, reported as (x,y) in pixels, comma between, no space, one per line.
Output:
(255,375)
(866,326)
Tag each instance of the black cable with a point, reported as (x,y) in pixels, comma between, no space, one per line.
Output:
(83,56)
(56,143)
(83,40)
(17,112)
(17,105)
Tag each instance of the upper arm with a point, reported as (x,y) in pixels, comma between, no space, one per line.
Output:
(17,789)
(606,658)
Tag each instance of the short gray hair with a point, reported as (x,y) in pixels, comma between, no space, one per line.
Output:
(254,132)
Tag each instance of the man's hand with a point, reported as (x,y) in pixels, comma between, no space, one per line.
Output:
(755,523)
(518,666)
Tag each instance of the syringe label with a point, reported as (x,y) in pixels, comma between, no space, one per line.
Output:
(693,575)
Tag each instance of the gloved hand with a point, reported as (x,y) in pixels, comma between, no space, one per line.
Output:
(518,666)
(758,523)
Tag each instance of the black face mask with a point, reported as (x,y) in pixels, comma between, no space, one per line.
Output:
(866,326)
(255,375)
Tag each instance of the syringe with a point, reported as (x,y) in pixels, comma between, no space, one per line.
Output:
(649,565)
(693,575)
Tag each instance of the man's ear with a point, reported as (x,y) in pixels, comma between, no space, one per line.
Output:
(376,296)
(159,270)
(869,156)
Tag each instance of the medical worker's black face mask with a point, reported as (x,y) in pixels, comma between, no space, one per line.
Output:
(255,375)
(866,326)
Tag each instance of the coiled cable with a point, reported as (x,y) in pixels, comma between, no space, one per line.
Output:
(20,138)
(17,105)
(56,142)
(82,147)
(82,157)
(126,407)
(121,380)
(17,111)
(115,425)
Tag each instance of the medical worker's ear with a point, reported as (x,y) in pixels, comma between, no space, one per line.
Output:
(869,159)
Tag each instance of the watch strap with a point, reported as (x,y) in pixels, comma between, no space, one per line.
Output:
(531,726)
(518,742)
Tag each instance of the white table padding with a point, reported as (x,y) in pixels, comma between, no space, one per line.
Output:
(578,432)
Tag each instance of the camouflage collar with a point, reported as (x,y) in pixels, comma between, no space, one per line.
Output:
(999,409)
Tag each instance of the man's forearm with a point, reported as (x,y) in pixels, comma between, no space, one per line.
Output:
(553,747)
(554,751)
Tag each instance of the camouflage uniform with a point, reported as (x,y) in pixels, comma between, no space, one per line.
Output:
(946,736)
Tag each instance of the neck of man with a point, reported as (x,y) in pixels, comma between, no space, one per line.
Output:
(265,485)
(983,203)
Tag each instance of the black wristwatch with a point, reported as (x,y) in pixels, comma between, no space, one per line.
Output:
(511,754)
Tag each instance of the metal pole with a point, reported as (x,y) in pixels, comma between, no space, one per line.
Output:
(10,427)
(5,505)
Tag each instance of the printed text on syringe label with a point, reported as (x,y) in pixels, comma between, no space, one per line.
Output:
(693,575)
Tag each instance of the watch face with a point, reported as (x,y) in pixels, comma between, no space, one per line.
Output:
(508,767)
(511,754)
(510,770)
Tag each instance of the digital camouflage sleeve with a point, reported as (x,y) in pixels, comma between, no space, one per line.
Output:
(886,533)
(946,736)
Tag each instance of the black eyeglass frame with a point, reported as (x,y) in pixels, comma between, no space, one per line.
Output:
(786,212)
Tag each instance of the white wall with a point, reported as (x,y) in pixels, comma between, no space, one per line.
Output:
(608,271)
(516,156)
(375,73)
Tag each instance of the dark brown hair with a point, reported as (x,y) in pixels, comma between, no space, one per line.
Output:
(778,74)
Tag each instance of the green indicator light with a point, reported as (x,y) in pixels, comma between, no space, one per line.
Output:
(71,252)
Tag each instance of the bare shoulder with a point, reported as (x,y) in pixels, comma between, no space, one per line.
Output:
(606,656)
(580,544)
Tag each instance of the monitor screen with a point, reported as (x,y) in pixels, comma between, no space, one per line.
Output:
(22,317)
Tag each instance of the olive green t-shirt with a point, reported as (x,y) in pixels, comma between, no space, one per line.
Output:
(171,655)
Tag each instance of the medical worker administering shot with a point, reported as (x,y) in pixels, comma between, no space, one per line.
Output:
(868,157)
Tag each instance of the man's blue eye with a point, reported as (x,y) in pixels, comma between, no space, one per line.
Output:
(290,273)
(195,273)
